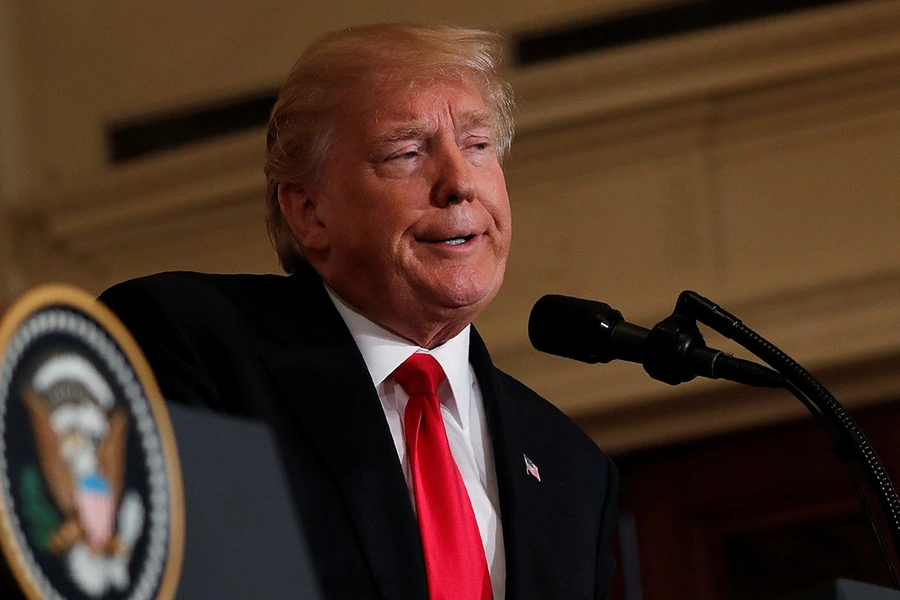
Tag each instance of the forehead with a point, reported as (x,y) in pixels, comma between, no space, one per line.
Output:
(430,104)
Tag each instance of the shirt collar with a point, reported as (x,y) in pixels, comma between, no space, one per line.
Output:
(384,351)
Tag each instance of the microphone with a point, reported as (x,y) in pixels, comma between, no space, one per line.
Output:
(673,352)
(584,330)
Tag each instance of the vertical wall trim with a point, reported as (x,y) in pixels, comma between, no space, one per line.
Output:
(12,160)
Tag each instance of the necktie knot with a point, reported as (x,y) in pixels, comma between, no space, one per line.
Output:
(420,374)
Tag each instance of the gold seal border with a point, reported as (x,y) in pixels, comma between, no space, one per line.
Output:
(69,296)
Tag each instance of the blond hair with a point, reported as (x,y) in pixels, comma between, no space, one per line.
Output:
(338,68)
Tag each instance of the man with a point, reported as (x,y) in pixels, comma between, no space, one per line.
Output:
(388,207)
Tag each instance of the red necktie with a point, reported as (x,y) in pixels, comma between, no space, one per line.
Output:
(454,555)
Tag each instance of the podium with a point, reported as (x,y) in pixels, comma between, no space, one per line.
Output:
(242,537)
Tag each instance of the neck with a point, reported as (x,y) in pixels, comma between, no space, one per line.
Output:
(428,337)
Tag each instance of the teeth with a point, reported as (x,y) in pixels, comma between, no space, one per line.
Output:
(455,241)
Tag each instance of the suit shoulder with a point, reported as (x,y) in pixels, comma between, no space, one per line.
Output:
(179,283)
(201,332)
(193,294)
(198,304)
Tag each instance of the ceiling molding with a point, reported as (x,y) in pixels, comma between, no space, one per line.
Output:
(710,63)
(137,182)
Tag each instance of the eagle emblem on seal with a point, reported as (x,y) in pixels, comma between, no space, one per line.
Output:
(80,506)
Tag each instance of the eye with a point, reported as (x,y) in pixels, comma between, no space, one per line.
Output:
(478,144)
(404,154)
(401,162)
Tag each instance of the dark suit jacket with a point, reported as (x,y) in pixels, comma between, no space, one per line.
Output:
(275,348)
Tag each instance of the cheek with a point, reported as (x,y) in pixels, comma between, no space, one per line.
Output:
(499,195)
(504,234)
(503,213)
(377,236)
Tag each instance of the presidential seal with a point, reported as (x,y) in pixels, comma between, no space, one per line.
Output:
(91,501)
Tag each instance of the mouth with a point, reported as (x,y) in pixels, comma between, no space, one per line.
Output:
(456,241)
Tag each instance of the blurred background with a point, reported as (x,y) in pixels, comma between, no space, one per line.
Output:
(748,151)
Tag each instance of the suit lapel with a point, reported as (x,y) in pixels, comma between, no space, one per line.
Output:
(326,383)
(518,490)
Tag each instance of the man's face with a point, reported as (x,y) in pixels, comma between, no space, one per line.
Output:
(415,211)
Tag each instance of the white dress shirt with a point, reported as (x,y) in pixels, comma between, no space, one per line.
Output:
(462,409)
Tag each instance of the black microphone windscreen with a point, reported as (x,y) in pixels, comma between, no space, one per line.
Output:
(573,328)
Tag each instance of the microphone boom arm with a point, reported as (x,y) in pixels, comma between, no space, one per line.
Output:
(849,440)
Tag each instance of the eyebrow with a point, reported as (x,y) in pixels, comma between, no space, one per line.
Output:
(478,118)
(419,129)
(409,131)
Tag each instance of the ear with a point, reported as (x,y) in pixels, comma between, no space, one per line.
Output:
(299,209)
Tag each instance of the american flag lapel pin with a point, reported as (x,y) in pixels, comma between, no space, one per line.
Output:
(531,468)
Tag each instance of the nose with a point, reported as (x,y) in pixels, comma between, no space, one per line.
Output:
(453,181)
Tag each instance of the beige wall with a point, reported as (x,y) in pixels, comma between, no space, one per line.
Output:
(756,164)
(84,64)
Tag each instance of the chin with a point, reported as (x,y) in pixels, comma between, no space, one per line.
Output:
(467,293)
